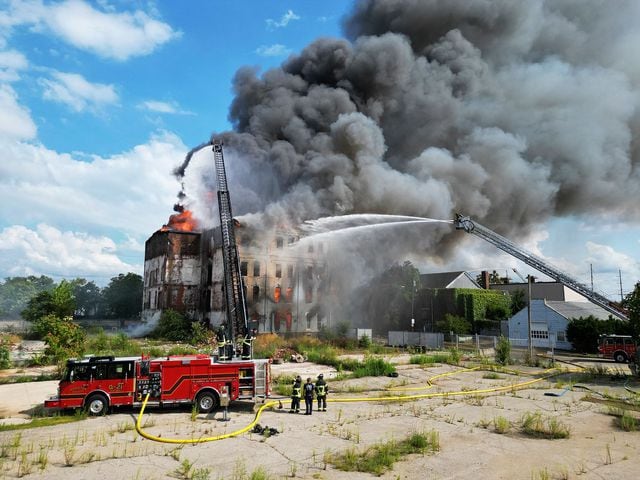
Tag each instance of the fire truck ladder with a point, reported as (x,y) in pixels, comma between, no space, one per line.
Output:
(465,223)
(237,328)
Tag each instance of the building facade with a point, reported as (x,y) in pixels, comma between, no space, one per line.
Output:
(286,280)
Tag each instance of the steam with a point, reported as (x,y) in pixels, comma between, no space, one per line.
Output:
(510,112)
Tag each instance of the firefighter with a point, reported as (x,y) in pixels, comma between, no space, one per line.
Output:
(321,392)
(222,343)
(309,388)
(295,395)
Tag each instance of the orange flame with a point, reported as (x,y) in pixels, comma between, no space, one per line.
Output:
(181,222)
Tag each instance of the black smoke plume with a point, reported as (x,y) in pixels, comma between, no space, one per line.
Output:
(510,112)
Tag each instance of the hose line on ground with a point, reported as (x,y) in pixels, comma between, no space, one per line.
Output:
(545,374)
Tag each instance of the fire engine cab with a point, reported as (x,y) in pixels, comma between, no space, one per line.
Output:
(621,348)
(98,383)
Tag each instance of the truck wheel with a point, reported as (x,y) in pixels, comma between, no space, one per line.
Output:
(96,404)
(206,401)
(620,357)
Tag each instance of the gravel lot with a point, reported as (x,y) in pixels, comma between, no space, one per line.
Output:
(469,445)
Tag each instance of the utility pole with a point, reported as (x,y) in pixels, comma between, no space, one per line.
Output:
(413,291)
(529,280)
(620,277)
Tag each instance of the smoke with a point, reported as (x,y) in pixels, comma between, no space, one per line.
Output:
(510,112)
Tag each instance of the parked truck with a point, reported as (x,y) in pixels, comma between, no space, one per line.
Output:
(99,383)
(620,348)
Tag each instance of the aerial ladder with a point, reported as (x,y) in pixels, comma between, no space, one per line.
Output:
(465,223)
(235,340)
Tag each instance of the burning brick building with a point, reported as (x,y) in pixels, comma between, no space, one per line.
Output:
(286,282)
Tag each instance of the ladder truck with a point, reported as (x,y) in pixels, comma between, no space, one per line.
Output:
(465,223)
(235,338)
(99,383)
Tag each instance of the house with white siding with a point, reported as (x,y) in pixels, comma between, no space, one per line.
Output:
(549,320)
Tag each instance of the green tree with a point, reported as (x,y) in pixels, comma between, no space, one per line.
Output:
(123,296)
(15,293)
(583,332)
(518,301)
(88,298)
(59,302)
(632,304)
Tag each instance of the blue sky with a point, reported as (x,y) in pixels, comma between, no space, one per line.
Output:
(100,100)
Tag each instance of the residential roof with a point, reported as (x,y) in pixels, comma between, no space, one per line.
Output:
(448,280)
(578,309)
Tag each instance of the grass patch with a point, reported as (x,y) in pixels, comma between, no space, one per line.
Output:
(423,359)
(492,376)
(380,457)
(45,422)
(43,377)
(501,425)
(533,424)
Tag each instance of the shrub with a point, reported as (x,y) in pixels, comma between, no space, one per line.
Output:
(265,345)
(503,351)
(373,367)
(5,357)
(63,337)
(364,342)
(172,326)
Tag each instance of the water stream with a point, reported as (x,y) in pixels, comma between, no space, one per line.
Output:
(340,224)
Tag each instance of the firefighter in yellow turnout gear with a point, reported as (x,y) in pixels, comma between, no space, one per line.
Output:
(295,395)
(321,392)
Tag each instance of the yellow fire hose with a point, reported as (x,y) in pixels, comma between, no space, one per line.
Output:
(545,374)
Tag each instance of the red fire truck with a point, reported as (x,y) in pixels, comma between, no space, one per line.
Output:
(98,383)
(621,348)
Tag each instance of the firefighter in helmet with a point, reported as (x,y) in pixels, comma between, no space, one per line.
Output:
(308,389)
(295,395)
(321,392)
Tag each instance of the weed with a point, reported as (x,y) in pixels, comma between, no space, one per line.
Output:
(194,412)
(293,469)
(69,454)
(608,459)
(175,453)
(501,425)
(25,466)
(492,376)
(543,475)
(627,422)
(533,424)
(259,474)
(381,457)
(43,458)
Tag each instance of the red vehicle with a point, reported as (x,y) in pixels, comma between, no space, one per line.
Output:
(621,348)
(98,383)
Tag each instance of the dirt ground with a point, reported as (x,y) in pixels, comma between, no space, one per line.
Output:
(102,447)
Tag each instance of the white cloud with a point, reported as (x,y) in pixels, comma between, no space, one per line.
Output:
(130,193)
(15,120)
(77,93)
(11,62)
(107,33)
(284,20)
(608,259)
(49,251)
(163,107)
(275,50)
(83,215)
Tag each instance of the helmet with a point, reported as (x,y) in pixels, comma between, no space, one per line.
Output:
(321,376)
